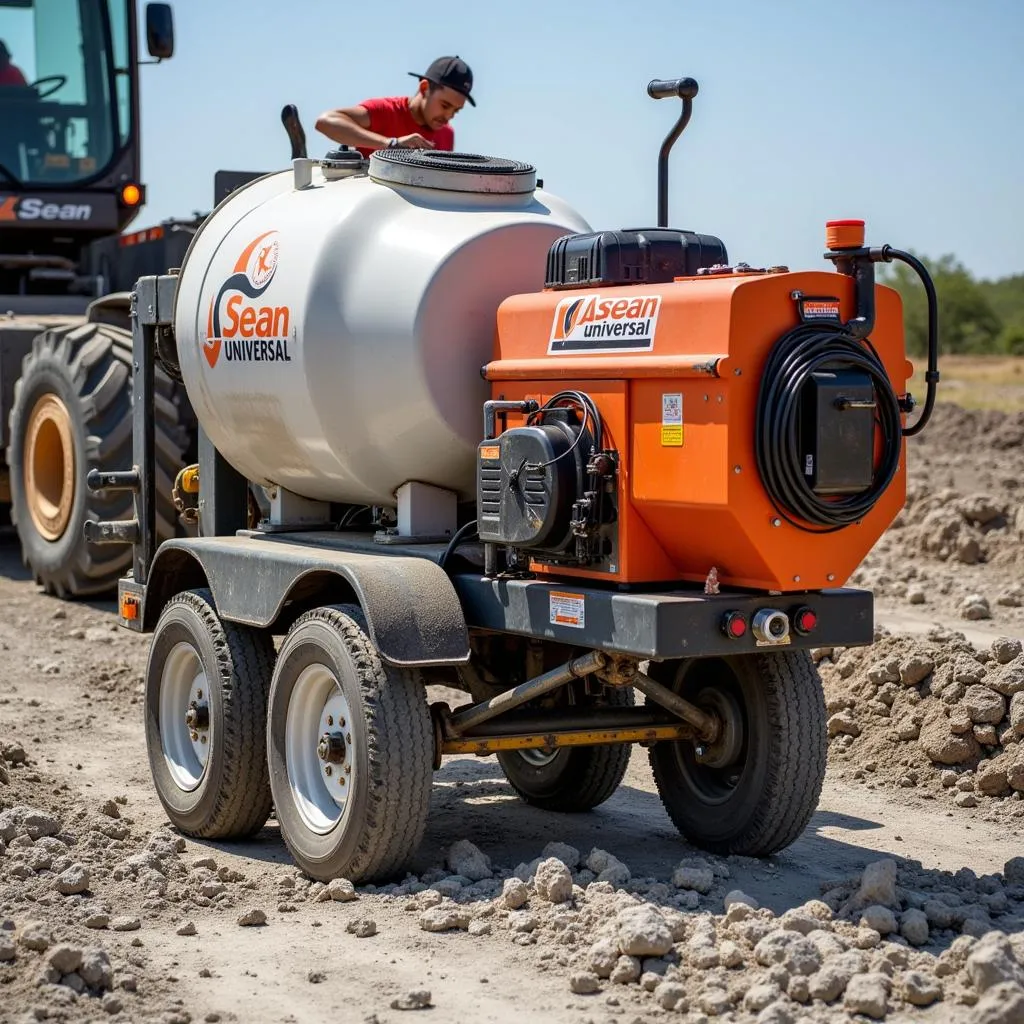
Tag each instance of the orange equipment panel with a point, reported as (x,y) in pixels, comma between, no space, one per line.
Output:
(680,407)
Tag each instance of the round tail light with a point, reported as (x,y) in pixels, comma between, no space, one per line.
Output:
(805,620)
(734,625)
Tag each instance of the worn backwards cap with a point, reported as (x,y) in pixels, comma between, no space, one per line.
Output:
(452,72)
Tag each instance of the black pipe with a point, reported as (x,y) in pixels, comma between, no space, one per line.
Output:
(931,375)
(659,89)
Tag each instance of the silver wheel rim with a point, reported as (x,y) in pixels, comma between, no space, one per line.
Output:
(183,683)
(538,758)
(320,786)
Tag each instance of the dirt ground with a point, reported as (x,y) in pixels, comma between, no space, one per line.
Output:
(903,900)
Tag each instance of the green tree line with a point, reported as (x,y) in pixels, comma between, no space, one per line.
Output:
(975,316)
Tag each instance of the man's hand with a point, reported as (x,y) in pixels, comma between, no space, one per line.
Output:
(415,141)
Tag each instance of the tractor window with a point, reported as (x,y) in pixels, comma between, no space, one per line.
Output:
(58,98)
(118,13)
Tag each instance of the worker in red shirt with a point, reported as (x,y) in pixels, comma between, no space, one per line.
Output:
(420,121)
(10,74)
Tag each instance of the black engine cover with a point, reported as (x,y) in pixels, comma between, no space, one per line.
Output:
(634,256)
(526,486)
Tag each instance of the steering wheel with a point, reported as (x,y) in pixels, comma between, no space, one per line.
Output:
(61,81)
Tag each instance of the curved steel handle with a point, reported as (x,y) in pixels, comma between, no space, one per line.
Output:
(663,88)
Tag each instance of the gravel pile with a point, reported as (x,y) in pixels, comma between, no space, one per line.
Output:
(932,715)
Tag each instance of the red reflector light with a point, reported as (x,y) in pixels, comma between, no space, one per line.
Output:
(734,625)
(805,620)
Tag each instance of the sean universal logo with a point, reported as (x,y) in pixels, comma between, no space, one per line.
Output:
(595,323)
(238,326)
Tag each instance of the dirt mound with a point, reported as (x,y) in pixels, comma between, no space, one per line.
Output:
(933,715)
(956,430)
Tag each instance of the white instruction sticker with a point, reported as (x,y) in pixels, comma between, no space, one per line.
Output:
(566,609)
(672,420)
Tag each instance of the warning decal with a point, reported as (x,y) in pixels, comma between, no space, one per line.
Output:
(566,609)
(672,420)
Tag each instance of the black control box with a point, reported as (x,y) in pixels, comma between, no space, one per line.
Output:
(633,256)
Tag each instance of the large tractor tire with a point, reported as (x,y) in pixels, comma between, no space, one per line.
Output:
(570,779)
(72,413)
(754,790)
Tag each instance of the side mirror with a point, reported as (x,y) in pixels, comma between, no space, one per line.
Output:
(160,30)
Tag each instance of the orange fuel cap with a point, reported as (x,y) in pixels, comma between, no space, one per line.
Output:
(844,234)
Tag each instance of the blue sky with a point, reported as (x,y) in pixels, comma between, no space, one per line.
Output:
(905,113)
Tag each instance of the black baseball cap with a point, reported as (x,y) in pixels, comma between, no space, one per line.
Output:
(452,72)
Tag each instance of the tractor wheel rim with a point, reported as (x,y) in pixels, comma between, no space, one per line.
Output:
(49,467)
(185,741)
(319,749)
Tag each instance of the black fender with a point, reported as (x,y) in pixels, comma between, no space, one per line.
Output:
(413,612)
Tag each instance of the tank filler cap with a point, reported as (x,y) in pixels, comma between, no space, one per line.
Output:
(342,162)
(452,172)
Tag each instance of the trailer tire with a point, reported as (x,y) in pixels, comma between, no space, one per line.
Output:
(72,412)
(572,779)
(757,789)
(363,815)
(194,656)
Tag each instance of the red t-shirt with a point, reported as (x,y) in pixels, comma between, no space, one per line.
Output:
(10,75)
(390,117)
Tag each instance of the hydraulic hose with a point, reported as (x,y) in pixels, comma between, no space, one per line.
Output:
(780,460)
(932,373)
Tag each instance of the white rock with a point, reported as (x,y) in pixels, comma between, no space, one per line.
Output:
(670,995)
(878,884)
(760,996)
(1002,1004)
(341,890)
(583,983)
(642,931)
(992,962)
(914,927)
(868,994)
(514,893)
(920,989)
(738,896)
(553,882)
(603,957)
(699,879)
(790,950)
(466,859)
(567,854)
(882,919)
(626,970)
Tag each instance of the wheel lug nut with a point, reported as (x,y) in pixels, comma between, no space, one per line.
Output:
(348,769)
(330,719)
(327,769)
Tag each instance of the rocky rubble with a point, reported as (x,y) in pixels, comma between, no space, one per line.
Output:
(931,715)
(957,547)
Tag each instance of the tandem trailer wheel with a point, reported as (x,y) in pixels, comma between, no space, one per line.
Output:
(205,710)
(350,747)
(570,779)
(755,789)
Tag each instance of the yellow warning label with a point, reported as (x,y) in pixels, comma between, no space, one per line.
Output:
(672,435)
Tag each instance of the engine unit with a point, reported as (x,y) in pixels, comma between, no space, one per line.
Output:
(547,488)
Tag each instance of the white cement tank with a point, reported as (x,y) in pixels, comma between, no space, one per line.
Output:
(331,335)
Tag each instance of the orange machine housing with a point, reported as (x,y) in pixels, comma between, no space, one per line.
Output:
(690,497)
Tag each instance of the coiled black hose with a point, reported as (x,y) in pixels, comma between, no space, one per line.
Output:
(796,355)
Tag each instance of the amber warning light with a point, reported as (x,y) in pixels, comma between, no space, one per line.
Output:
(844,234)
(131,195)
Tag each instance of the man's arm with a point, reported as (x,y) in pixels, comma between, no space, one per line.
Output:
(349,126)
